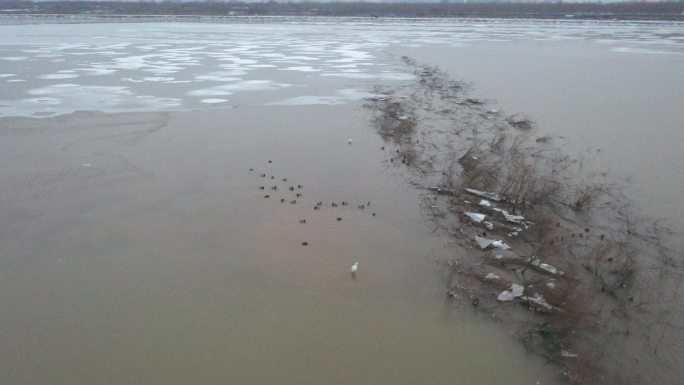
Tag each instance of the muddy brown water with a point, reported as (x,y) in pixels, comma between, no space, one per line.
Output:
(134,256)
(136,246)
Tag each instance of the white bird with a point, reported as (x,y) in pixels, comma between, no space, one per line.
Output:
(355,267)
(349,140)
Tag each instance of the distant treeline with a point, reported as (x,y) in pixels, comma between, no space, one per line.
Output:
(672,10)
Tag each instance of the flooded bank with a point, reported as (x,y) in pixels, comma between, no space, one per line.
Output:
(546,247)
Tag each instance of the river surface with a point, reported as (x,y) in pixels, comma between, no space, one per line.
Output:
(137,247)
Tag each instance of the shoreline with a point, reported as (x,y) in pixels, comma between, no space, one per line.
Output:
(256,18)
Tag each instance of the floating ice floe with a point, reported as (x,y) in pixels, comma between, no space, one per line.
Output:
(485,203)
(58,76)
(484,194)
(491,276)
(568,354)
(475,217)
(213,101)
(486,242)
(545,266)
(510,294)
(539,300)
(510,217)
(500,245)
(488,225)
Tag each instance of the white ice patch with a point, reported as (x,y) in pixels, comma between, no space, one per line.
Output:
(47,101)
(247,85)
(511,217)
(486,242)
(342,96)
(491,276)
(14,58)
(262,66)
(213,101)
(475,217)
(222,76)
(644,51)
(484,194)
(158,79)
(96,71)
(545,266)
(376,75)
(58,76)
(7,75)
(515,291)
(65,98)
(301,69)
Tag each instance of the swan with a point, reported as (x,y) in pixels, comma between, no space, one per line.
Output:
(355,267)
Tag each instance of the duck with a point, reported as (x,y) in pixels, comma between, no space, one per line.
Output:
(302,221)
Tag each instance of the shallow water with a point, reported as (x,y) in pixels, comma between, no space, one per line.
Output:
(137,247)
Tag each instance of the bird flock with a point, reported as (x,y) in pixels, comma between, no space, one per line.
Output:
(293,193)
